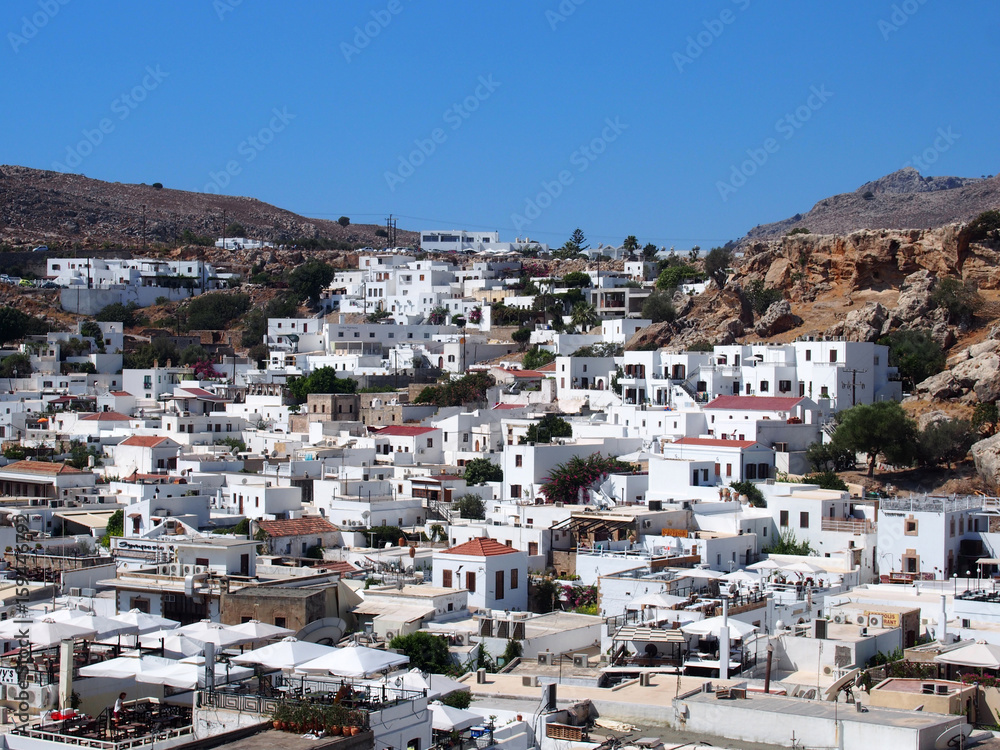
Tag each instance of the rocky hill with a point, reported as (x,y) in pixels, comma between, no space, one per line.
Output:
(901,200)
(64,210)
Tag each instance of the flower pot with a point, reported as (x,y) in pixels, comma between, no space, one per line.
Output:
(334,731)
(276,724)
(355,730)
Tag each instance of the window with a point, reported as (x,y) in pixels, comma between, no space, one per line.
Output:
(518,460)
(784,386)
(279,622)
(833,355)
(470,581)
(783,518)
(763,470)
(809,355)
(804,520)
(729,470)
(446,579)
(910,527)
(515,490)
(751,471)
(764,385)
(952,533)
(499,585)
(513,579)
(961,525)
(532,548)
(430,442)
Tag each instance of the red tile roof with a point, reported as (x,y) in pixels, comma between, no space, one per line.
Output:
(39,467)
(297,526)
(338,566)
(714,442)
(119,393)
(754,403)
(400,430)
(105,416)
(522,373)
(145,441)
(202,394)
(550,367)
(481,548)
(510,406)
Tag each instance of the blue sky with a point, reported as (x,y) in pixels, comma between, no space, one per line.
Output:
(681,123)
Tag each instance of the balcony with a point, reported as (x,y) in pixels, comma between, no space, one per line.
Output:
(856,526)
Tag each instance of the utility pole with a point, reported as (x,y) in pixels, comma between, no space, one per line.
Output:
(223,229)
(144,227)
(854,384)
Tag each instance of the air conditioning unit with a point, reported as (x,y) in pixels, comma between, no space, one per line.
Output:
(828,670)
(861,620)
(89,593)
(74,591)
(390,634)
(839,619)
(460,639)
(545,658)
(874,621)
(187,569)
(581,661)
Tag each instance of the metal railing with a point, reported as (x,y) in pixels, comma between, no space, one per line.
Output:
(934,503)
(850,526)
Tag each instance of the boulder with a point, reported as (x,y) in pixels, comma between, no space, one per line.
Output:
(932,417)
(777,319)
(942,386)
(914,300)
(865,324)
(986,454)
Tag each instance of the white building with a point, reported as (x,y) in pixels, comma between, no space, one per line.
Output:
(495,575)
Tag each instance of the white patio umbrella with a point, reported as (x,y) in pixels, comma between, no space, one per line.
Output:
(145,622)
(64,614)
(663,601)
(261,631)
(124,666)
(979,654)
(804,568)
(713,626)
(105,626)
(741,576)
(222,636)
(436,685)
(353,661)
(174,643)
(764,565)
(287,653)
(187,676)
(447,719)
(48,632)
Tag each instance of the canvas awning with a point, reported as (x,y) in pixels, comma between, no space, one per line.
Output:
(393,611)
(651,635)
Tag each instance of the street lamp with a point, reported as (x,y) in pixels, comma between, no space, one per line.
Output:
(954,578)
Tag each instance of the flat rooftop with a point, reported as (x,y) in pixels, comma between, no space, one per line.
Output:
(777,704)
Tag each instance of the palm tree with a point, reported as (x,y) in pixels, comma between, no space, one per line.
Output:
(584,316)
(631,244)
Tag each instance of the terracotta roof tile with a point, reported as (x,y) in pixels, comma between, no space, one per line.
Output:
(481,548)
(714,442)
(400,430)
(754,403)
(105,416)
(297,526)
(39,467)
(145,441)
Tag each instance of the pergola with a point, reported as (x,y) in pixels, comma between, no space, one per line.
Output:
(654,646)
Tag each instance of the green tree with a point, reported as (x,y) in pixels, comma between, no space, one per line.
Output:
(118,313)
(787,544)
(584,317)
(323,380)
(761,297)
(915,354)
(235,229)
(379,536)
(428,653)
(465,390)
(673,276)
(344,221)
(114,527)
(826,457)
(630,245)
(457,699)
(959,298)
(80,455)
(470,506)
(717,265)
(548,427)
(577,242)
(311,278)
(879,428)
(15,325)
(438,316)
(986,414)
(537,357)
(160,349)
(481,471)
(192,354)
(458,320)
(827,480)
(945,442)
(521,337)
(16,366)
(255,321)
(577,279)
(90,329)
(603,349)
(752,491)
(985,226)
(649,251)
(659,308)
(215,311)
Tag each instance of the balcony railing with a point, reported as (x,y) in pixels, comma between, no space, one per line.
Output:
(849,526)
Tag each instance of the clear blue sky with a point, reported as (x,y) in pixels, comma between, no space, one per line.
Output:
(690,87)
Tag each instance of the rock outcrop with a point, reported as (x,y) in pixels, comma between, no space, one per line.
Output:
(986,455)
(777,319)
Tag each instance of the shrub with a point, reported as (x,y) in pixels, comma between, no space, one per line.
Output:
(158,186)
(536,357)
(798,230)
(548,427)
(985,226)
(566,480)
(659,307)
(323,380)
(428,653)
(215,311)
(673,276)
(787,544)
(961,300)
(457,699)
(468,389)
(761,297)
(827,480)
(576,279)
(481,471)
(471,506)
(915,353)
(343,221)
(752,491)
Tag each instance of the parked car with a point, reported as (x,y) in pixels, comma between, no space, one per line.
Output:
(26,282)
(40,249)
(50,285)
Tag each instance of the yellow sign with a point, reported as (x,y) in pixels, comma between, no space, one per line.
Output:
(889,619)
(681,533)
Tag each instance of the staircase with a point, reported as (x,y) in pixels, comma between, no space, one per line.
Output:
(441,510)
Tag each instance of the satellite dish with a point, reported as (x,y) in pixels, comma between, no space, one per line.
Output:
(364,514)
(949,737)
